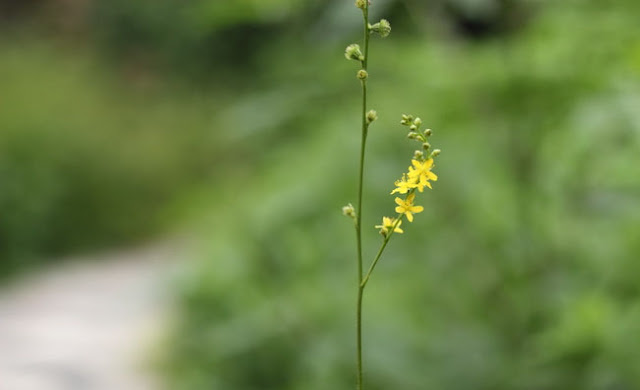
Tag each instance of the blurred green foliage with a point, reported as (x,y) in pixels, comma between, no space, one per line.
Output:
(196,40)
(99,145)
(521,272)
(86,160)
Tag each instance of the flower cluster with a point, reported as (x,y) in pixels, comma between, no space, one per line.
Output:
(418,177)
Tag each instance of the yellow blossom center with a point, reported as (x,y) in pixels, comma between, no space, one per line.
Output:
(406,207)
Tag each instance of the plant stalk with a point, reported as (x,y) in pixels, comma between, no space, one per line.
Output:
(359,382)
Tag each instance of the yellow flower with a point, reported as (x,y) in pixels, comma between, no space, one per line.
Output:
(421,173)
(403,186)
(407,208)
(387,225)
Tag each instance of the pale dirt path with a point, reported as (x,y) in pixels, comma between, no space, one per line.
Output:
(87,325)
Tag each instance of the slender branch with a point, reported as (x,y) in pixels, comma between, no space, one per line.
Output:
(364,280)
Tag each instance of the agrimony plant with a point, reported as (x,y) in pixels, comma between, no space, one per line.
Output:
(418,176)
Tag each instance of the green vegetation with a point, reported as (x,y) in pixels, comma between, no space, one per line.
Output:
(526,274)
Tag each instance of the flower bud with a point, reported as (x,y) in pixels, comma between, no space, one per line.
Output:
(362,74)
(427,132)
(412,135)
(426,146)
(349,211)
(383,27)
(417,122)
(352,52)
(361,4)
(406,120)
(372,115)
(413,128)
(435,153)
(418,155)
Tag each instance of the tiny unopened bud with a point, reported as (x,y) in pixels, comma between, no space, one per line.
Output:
(413,128)
(362,74)
(383,27)
(407,120)
(372,115)
(417,122)
(352,52)
(349,211)
(361,4)
(435,153)
(412,135)
(427,132)
(418,155)
(426,146)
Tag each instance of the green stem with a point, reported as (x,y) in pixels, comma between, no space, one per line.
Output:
(364,281)
(359,337)
(359,386)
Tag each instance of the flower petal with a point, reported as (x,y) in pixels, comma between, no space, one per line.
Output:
(409,216)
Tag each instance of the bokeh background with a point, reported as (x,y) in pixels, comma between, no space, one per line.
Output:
(236,123)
